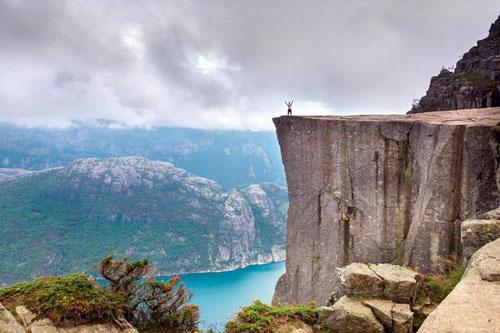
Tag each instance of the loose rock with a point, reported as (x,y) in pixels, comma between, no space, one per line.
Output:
(348,316)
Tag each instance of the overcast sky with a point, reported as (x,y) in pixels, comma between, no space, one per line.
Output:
(225,64)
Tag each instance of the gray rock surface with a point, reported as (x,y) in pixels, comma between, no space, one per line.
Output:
(356,278)
(473,83)
(392,282)
(8,323)
(381,189)
(474,304)
(31,324)
(395,317)
(400,283)
(25,315)
(294,327)
(349,316)
(475,233)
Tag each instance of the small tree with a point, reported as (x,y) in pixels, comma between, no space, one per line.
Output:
(151,303)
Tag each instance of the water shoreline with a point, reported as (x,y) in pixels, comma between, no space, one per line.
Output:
(277,257)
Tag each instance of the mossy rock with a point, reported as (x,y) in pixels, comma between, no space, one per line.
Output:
(72,297)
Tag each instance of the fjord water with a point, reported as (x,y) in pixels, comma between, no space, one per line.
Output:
(220,295)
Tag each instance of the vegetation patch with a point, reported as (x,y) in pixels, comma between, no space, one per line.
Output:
(69,297)
(260,317)
(434,290)
(437,287)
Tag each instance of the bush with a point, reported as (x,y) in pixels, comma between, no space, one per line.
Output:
(260,317)
(71,297)
(152,305)
(437,287)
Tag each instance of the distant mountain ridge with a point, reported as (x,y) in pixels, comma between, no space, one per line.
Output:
(232,158)
(65,219)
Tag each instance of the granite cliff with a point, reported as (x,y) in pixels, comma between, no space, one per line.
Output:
(473,83)
(377,189)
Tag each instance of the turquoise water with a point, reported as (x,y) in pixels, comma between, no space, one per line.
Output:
(220,295)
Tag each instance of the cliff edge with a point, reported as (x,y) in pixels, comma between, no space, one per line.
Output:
(388,188)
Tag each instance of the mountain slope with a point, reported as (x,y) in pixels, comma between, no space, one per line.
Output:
(474,83)
(232,158)
(65,219)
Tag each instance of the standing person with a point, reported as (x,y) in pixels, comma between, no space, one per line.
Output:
(289,104)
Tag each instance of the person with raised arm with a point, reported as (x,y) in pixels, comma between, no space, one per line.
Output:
(289,104)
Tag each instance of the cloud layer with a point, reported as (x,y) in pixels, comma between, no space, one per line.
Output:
(225,63)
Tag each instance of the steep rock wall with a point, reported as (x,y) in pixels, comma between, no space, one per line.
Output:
(474,83)
(381,189)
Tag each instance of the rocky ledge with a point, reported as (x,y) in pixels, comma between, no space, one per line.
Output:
(382,189)
(474,304)
(28,322)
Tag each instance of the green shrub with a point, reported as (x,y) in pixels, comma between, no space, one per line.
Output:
(151,305)
(438,287)
(260,317)
(69,297)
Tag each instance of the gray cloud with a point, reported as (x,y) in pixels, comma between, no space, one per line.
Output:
(224,64)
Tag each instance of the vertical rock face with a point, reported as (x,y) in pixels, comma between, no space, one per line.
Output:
(381,189)
(474,83)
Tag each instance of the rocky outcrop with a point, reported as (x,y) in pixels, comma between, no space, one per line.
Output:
(371,298)
(474,304)
(475,233)
(474,82)
(381,189)
(8,323)
(395,317)
(392,282)
(296,326)
(30,323)
(349,316)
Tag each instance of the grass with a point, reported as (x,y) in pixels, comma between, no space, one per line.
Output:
(438,287)
(262,318)
(434,290)
(69,297)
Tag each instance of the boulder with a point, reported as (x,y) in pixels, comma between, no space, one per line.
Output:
(349,316)
(356,278)
(402,318)
(8,323)
(395,317)
(32,324)
(474,304)
(294,327)
(44,325)
(400,283)
(489,269)
(493,214)
(382,309)
(474,233)
(26,315)
(387,281)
